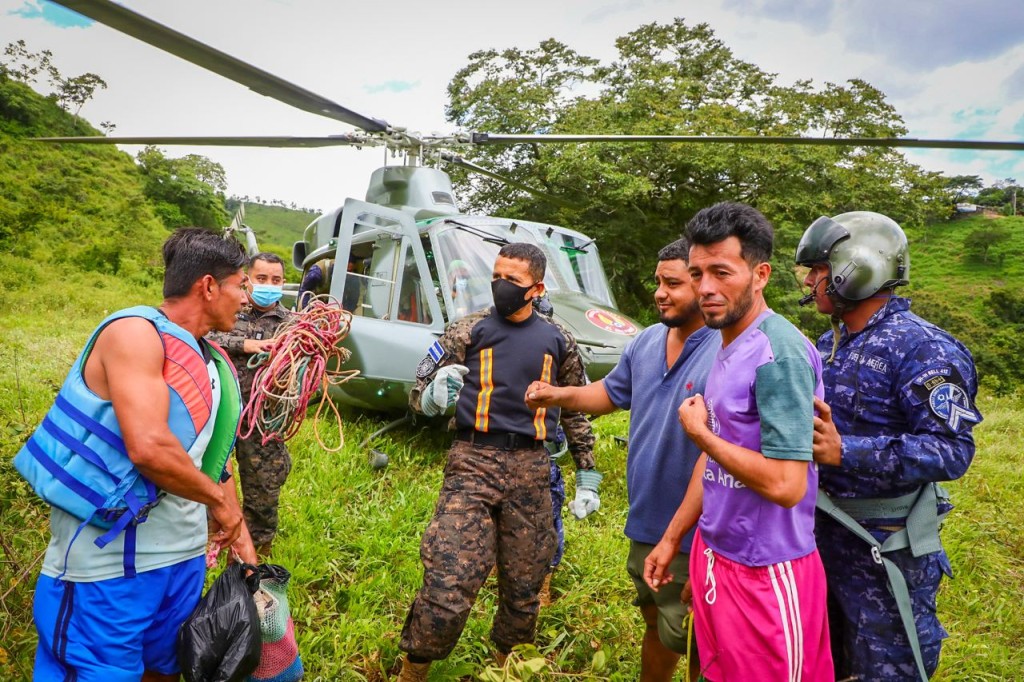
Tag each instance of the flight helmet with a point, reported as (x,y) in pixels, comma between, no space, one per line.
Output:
(866,253)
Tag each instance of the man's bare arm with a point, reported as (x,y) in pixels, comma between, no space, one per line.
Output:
(781,481)
(127,364)
(589,399)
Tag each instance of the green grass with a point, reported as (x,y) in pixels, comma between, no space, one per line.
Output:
(350,535)
(943,270)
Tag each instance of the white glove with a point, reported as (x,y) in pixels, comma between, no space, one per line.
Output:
(587,501)
(443,391)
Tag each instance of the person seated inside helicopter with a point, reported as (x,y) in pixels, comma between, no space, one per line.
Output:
(458,279)
(315,282)
(410,307)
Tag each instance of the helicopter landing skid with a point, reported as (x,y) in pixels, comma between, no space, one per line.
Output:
(379,458)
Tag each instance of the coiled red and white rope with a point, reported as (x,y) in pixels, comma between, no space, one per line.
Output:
(304,359)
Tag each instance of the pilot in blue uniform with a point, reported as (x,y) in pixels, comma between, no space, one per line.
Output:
(897,419)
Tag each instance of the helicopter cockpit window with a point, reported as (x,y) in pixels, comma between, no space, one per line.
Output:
(467,262)
(579,265)
(412,296)
(316,281)
(370,280)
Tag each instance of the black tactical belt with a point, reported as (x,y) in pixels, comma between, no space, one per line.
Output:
(498,439)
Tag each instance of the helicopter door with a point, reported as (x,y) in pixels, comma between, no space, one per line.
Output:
(389,286)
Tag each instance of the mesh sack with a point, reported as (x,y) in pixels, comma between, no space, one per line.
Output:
(279,654)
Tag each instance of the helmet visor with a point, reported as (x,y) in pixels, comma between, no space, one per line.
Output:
(818,241)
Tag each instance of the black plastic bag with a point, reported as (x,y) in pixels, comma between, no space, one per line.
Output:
(220,641)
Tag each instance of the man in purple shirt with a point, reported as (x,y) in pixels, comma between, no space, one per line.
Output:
(662,366)
(760,608)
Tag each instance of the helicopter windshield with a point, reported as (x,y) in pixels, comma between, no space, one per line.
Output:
(468,252)
(577,262)
(468,262)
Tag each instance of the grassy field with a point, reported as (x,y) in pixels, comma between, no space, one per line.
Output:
(350,535)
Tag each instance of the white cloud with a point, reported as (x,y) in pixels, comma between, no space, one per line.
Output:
(364,58)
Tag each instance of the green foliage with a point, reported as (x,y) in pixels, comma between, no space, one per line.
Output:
(963,187)
(677,79)
(187,191)
(976,297)
(979,242)
(56,207)
(19,64)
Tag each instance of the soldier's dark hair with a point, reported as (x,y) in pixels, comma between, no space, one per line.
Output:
(266,257)
(677,250)
(529,253)
(194,252)
(730,219)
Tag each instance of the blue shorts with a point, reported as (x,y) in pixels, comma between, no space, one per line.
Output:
(114,630)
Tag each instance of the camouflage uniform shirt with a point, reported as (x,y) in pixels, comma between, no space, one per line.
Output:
(249,324)
(504,358)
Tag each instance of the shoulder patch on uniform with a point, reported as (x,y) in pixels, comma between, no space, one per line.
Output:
(436,351)
(946,396)
(950,403)
(425,368)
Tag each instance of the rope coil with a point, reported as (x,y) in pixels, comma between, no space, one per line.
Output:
(304,359)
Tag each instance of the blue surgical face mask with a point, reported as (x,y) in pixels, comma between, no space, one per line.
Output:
(461,284)
(266,295)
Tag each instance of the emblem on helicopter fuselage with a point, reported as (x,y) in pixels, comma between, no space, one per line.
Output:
(610,322)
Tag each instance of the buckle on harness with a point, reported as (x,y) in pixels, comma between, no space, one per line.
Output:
(876,555)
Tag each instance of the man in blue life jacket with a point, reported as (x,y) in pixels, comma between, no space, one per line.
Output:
(900,410)
(130,458)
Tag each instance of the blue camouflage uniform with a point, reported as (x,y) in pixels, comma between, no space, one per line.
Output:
(902,394)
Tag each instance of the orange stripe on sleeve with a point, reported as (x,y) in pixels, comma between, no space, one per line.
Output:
(540,426)
(483,401)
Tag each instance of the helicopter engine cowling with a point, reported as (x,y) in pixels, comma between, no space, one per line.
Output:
(425,192)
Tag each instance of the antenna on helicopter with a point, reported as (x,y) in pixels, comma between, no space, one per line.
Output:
(237,226)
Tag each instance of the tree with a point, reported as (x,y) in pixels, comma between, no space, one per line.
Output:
(20,64)
(188,191)
(979,242)
(677,79)
(963,187)
(78,90)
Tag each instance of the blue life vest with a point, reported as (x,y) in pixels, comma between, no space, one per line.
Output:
(76,459)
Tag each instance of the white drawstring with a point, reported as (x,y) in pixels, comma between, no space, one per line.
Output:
(711,594)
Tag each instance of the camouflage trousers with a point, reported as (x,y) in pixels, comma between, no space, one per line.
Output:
(494,506)
(868,639)
(262,470)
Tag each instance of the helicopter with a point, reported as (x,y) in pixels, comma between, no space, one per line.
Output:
(404,260)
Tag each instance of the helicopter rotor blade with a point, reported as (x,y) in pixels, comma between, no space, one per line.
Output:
(258,141)
(167,39)
(472,167)
(489,138)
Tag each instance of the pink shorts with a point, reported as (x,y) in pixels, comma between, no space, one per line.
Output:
(760,622)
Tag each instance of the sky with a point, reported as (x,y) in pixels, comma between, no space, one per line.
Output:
(951,68)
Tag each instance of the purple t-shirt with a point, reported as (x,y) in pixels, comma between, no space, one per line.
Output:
(760,395)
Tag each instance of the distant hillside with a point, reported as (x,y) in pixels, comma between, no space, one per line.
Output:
(276,226)
(968,276)
(80,206)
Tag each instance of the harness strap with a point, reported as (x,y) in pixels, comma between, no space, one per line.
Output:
(108,436)
(901,539)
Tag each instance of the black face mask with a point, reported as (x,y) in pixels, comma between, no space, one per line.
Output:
(508,297)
